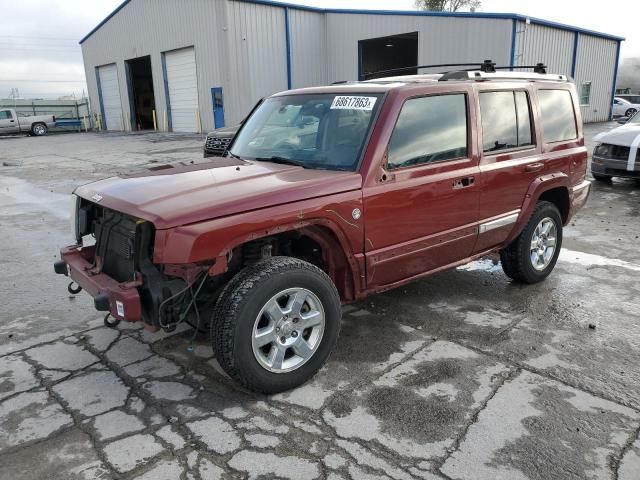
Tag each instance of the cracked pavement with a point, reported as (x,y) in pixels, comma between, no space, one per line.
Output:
(463,375)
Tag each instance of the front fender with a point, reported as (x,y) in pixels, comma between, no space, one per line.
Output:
(540,185)
(215,239)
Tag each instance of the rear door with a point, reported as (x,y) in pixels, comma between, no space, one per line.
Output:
(511,160)
(423,214)
(8,124)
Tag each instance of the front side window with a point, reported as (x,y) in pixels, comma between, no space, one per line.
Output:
(429,129)
(322,131)
(585,93)
(5,115)
(506,120)
(558,117)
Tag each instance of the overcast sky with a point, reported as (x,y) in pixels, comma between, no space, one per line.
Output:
(40,55)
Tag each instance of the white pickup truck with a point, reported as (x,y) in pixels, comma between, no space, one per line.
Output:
(11,122)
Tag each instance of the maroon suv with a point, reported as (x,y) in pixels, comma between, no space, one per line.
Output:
(328,195)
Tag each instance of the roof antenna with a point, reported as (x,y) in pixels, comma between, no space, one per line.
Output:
(488,67)
(540,68)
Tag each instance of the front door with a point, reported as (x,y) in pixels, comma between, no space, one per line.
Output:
(8,124)
(423,215)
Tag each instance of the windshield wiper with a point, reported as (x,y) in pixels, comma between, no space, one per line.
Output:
(282,160)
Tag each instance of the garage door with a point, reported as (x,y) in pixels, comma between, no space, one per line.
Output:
(183,89)
(110,94)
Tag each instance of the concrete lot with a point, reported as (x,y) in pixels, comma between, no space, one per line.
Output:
(462,375)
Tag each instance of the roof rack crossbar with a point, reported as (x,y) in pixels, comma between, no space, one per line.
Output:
(370,75)
(487,66)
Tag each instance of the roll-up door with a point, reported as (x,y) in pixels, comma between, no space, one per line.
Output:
(110,97)
(183,89)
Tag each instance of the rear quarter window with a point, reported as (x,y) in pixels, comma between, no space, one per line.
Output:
(557,115)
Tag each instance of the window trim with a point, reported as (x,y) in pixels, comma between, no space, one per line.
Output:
(573,109)
(467,157)
(532,124)
(582,84)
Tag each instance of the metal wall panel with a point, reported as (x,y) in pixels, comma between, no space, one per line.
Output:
(241,47)
(257,63)
(440,40)
(596,63)
(308,48)
(149,27)
(551,46)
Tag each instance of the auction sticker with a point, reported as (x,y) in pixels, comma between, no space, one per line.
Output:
(353,103)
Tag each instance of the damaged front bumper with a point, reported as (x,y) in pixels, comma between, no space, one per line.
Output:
(120,299)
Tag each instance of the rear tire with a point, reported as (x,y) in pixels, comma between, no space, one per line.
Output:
(630,112)
(602,178)
(275,324)
(532,256)
(39,129)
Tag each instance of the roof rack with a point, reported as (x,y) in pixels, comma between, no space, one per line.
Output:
(486,70)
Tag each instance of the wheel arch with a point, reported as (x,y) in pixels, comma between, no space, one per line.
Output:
(552,188)
(338,260)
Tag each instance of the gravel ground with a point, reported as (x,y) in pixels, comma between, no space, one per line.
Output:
(463,375)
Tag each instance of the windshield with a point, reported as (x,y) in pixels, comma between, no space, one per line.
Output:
(324,131)
(631,98)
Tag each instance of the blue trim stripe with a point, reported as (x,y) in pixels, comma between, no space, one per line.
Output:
(167,99)
(503,16)
(574,61)
(615,81)
(102,114)
(287,35)
(514,31)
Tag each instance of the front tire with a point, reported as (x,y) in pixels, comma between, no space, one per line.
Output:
(39,129)
(275,324)
(630,112)
(532,256)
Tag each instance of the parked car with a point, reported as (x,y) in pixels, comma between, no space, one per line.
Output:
(616,153)
(11,122)
(623,106)
(392,181)
(218,141)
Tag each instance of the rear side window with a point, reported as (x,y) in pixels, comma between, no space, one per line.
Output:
(429,129)
(558,118)
(506,120)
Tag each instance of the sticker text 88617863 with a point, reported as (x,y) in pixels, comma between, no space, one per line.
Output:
(348,102)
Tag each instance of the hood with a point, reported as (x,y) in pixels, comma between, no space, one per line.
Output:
(171,196)
(622,136)
(224,132)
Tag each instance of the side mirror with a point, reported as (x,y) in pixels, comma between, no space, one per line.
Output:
(623,120)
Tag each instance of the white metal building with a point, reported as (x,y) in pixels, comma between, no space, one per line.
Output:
(197,64)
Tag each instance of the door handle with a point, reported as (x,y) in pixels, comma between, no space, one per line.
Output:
(463,183)
(534,167)
(12,121)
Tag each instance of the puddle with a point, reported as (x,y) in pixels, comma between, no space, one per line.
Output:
(591,260)
(24,197)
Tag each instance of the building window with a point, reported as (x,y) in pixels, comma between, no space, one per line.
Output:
(585,93)
(506,120)
(429,129)
(558,116)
